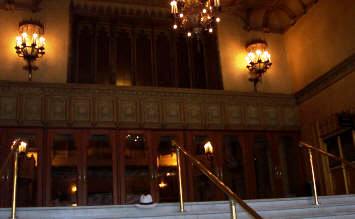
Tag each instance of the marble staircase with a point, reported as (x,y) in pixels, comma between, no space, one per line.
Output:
(342,206)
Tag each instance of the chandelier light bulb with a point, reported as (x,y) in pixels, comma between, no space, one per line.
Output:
(189,34)
(175,26)
(218,19)
(210,30)
(174,8)
(197,15)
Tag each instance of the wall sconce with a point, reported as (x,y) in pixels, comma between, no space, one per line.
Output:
(30,44)
(259,60)
(208,149)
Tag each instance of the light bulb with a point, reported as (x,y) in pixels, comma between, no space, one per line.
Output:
(181,15)
(18,40)
(42,41)
(189,34)
(175,26)
(258,52)
(204,11)
(210,30)
(218,19)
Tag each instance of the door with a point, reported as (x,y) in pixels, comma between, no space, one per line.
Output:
(291,165)
(165,166)
(200,187)
(5,176)
(266,167)
(100,169)
(29,181)
(234,164)
(65,176)
(136,165)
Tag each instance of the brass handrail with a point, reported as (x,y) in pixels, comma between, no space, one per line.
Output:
(323,152)
(17,147)
(219,183)
(309,149)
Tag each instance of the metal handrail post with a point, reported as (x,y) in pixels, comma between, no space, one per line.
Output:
(14,186)
(315,194)
(214,179)
(181,192)
(233,209)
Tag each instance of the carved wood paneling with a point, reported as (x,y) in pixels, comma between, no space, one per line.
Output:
(67,105)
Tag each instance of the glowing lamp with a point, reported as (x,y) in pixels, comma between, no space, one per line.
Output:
(30,44)
(208,148)
(259,60)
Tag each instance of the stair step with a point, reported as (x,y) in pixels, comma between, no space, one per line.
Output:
(293,208)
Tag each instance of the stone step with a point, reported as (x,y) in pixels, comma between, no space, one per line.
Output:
(331,207)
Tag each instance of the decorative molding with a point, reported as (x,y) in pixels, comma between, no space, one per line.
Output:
(72,105)
(122,8)
(324,81)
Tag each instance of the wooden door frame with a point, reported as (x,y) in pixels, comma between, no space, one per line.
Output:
(111,133)
(78,141)
(4,179)
(180,140)
(120,139)
(249,181)
(215,137)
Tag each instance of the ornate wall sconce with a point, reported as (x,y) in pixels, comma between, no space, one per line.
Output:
(30,44)
(259,60)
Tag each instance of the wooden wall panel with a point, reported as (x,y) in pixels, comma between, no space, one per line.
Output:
(68,105)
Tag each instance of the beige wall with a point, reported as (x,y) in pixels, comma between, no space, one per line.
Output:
(232,41)
(320,40)
(53,65)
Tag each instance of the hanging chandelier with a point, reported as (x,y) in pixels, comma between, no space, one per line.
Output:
(195,16)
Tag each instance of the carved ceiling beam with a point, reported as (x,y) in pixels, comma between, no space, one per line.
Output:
(293,17)
(12,5)
(304,6)
(247,19)
(36,5)
(265,24)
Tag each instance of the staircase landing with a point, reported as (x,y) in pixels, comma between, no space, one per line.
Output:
(330,207)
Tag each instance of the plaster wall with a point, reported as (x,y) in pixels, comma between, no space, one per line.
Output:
(53,65)
(232,41)
(320,40)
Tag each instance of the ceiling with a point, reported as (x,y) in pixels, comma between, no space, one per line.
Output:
(274,16)
(268,15)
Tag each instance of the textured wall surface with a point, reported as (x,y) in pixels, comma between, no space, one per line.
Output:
(53,65)
(320,40)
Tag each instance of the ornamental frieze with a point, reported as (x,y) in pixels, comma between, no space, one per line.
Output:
(70,105)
